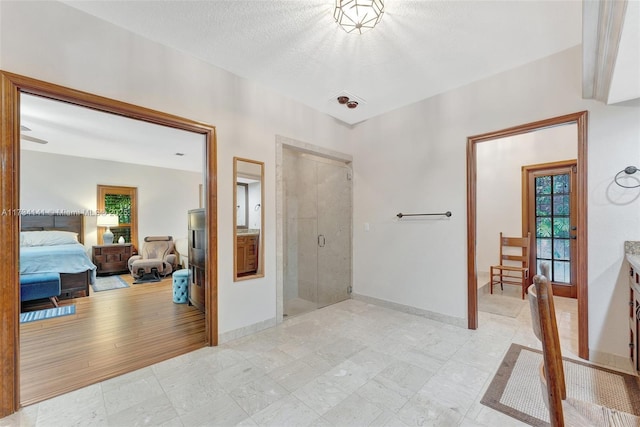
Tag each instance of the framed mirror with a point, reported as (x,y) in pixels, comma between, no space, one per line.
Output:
(248,219)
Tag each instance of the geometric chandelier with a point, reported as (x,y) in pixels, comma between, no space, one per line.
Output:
(358,16)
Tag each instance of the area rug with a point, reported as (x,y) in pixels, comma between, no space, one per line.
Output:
(503,303)
(515,389)
(106,283)
(49,313)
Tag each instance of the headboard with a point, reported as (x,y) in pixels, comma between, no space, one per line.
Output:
(74,223)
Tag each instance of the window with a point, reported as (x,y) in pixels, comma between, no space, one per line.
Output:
(120,201)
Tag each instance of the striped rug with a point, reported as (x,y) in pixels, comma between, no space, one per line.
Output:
(49,313)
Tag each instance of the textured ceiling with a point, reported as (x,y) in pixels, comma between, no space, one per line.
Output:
(83,132)
(420,48)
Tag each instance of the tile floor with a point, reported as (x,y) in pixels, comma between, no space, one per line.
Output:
(297,306)
(504,302)
(349,364)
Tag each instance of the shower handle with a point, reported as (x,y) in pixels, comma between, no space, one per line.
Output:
(321,240)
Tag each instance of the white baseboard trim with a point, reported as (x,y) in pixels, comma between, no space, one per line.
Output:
(246,330)
(615,361)
(412,310)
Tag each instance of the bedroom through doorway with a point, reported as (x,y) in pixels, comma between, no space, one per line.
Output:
(69,152)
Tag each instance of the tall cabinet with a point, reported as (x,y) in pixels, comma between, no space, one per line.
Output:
(197,257)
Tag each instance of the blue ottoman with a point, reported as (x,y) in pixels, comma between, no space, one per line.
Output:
(40,285)
(181,286)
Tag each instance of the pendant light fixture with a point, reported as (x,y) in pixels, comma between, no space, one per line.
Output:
(358,16)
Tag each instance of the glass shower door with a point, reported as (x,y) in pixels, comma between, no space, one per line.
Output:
(317,240)
(334,226)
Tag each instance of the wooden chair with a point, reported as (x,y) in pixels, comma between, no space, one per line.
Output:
(507,272)
(563,410)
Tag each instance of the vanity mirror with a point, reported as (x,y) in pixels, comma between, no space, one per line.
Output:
(248,219)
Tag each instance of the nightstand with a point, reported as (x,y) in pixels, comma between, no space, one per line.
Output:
(112,259)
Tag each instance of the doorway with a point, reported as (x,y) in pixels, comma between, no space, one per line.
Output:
(13,87)
(316,233)
(580,120)
(74,171)
(549,214)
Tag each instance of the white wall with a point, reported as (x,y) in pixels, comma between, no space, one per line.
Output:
(57,182)
(56,43)
(410,160)
(255,199)
(499,183)
(414,160)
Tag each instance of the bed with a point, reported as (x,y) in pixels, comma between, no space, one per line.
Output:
(48,245)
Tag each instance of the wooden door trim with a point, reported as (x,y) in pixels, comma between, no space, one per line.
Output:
(9,246)
(580,119)
(545,168)
(11,85)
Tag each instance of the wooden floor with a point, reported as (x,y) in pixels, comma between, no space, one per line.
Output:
(112,332)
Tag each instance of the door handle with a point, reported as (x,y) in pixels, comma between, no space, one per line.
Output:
(321,240)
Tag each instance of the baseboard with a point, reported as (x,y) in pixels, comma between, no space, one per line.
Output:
(246,330)
(615,361)
(455,321)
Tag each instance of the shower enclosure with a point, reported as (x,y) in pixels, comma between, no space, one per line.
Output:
(317,231)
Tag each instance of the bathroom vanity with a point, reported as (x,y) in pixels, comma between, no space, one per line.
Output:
(632,250)
(247,251)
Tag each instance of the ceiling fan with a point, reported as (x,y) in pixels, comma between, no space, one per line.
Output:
(30,138)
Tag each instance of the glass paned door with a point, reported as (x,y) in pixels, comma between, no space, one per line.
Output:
(551,218)
(552,225)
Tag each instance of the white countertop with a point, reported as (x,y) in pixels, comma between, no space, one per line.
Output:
(634,260)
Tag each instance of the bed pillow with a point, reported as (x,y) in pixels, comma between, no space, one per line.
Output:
(48,238)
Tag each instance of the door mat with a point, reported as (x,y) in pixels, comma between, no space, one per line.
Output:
(515,389)
(106,283)
(503,303)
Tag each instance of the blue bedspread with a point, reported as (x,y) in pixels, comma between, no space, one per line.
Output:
(56,259)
